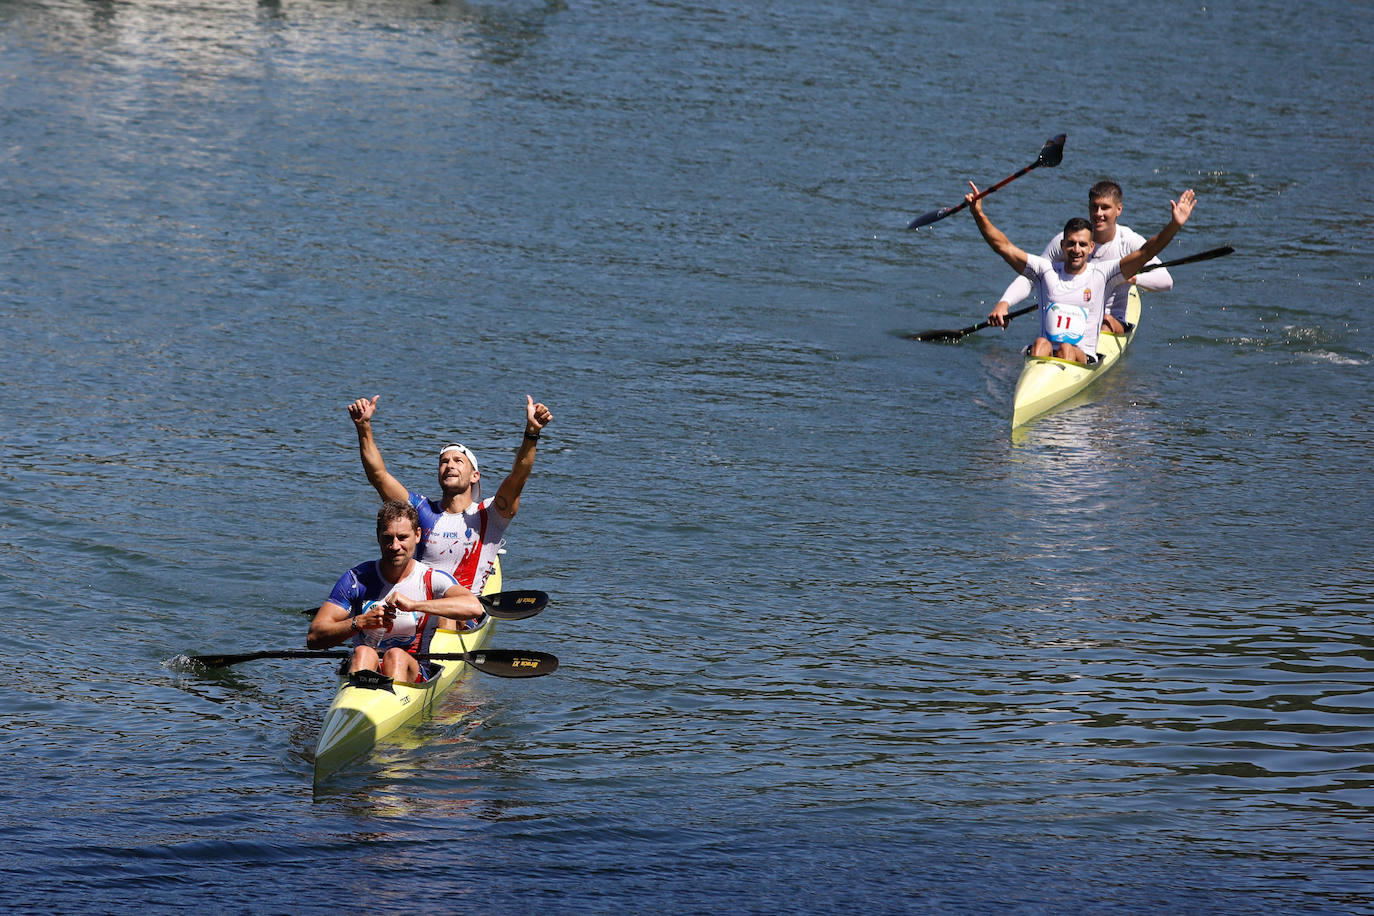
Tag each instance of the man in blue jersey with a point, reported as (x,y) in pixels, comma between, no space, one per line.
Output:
(1073,293)
(460,532)
(391,606)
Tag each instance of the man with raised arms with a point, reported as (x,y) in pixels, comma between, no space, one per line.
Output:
(1073,293)
(460,533)
(391,606)
(1110,242)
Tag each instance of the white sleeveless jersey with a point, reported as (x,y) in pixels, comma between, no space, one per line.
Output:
(462,544)
(361,586)
(1071,305)
(1127,240)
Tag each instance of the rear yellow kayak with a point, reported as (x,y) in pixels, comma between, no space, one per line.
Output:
(1047,381)
(360,716)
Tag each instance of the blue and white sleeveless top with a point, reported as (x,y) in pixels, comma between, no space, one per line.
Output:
(358,588)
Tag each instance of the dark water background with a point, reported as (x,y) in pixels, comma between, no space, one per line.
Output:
(830,635)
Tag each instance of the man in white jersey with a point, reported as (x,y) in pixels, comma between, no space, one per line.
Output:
(460,533)
(391,606)
(1111,242)
(1073,294)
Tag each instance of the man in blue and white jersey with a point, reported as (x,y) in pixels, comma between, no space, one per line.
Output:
(1111,242)
(460,532)
(1073,293)
(391,606)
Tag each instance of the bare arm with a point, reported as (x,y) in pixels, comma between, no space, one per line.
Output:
(387,487)
(1179,211)
(1156,279)
(331,626)
(996,238)
(507,501)
(1022,286)
(456,604)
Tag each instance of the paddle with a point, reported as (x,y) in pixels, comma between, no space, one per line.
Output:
(498,662)
(964,332)
(942,336)
(1207,255)
(512,605)
(1051,154)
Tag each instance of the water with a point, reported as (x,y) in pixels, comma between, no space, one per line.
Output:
(829,634)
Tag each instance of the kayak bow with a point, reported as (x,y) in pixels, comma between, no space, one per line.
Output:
(367,709)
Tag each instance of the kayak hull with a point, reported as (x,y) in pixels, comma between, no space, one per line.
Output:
(361,716)
(1046,381)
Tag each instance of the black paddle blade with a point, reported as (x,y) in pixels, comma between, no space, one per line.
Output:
(934,216)
(514,605)
(938,336)
(1052,153)
(224,661)
(212,661)
(961,333)
(512,662)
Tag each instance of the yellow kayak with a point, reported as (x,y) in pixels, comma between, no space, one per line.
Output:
(360,716)
(1048,381)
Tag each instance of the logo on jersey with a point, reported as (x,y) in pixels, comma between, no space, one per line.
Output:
(1066,323)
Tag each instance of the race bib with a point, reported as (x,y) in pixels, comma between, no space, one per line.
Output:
(1067,323)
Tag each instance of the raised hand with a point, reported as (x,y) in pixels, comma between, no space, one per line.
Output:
(537,416)
(361,410)
(1183,207)
(974,202)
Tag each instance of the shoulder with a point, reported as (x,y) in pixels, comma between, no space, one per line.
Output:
(1036,264)
(427,507)
(1129,238)
(365,575)
(1107,269)
(1053,248)
(440,582)
(353,583)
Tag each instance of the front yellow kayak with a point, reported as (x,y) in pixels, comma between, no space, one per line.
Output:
(1047,381)
(364,713)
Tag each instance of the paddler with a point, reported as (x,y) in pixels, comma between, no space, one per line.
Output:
(460,533)
(1111,241)
(1073,293)
(390,606)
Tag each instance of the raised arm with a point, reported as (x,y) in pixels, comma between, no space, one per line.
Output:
(1022,286)
(387,487)
(507,500)
(996,238)
(1179,211)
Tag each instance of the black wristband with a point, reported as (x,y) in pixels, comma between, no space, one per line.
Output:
(532,436)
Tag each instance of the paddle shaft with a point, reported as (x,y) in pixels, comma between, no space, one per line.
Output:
(934,216)
(498,662)
(964,332)
(1051,154)
(1207,255)
(509,605)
